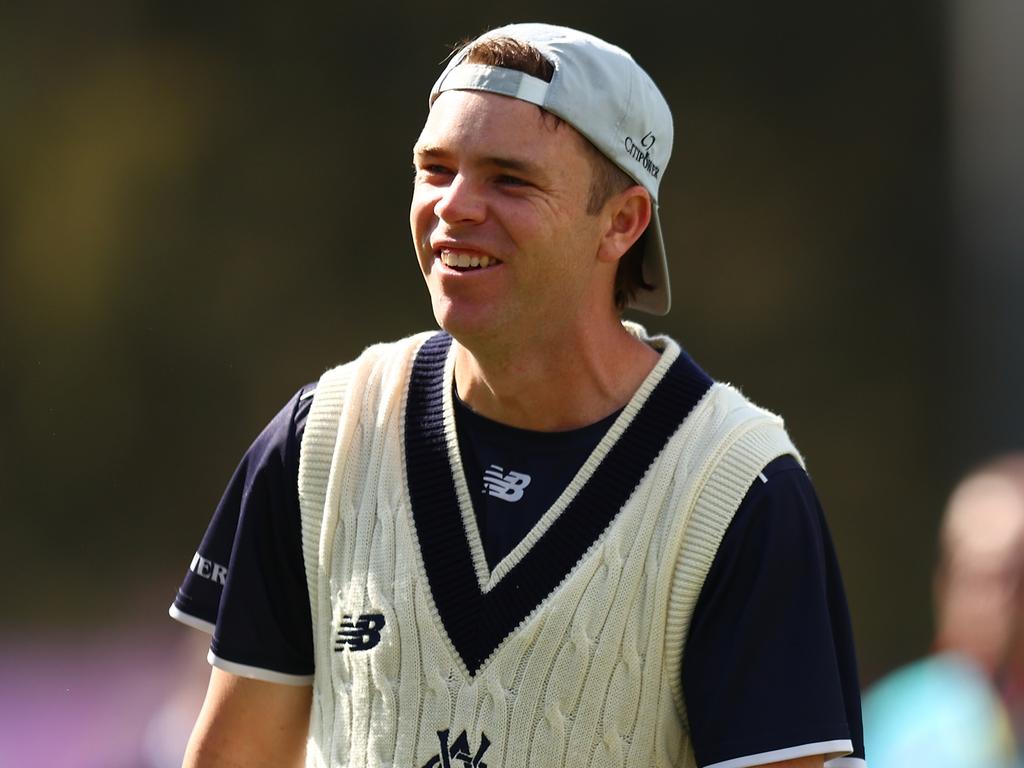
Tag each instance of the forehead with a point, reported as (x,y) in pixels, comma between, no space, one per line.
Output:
(473,121)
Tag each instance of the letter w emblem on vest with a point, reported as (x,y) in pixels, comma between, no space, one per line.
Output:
(459,750)
(361,634)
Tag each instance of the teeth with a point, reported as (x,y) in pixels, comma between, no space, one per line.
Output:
(464,260)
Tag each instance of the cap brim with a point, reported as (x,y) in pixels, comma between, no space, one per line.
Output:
(658,300)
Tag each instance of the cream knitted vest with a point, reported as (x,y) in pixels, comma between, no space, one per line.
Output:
(569,652)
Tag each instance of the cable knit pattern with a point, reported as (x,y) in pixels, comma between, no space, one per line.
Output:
(569,653)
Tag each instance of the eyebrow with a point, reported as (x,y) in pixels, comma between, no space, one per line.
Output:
(511,164)
(427,151)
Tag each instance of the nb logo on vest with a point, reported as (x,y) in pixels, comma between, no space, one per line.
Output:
(361,634)
(459,750)
(508,487)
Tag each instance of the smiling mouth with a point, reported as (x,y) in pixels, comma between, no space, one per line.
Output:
(465,261)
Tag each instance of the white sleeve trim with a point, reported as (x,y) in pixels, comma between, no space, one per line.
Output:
(258,673)
(846,762)
(830,749)
(189,620)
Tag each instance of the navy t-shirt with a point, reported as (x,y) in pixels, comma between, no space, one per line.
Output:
(515,475)
(769,671)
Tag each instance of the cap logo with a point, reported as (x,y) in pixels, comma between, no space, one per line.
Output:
(642,152)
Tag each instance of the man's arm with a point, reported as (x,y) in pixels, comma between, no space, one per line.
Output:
(251,724)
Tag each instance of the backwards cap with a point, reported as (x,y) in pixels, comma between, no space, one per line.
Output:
(604,94)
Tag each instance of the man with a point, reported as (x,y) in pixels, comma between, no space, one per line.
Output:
(962,704)
(492,545)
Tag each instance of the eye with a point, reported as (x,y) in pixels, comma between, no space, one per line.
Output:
(436,168)
(511,181)
(433,173)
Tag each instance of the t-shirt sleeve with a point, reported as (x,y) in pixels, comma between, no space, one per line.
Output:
(769,669)
(246,583)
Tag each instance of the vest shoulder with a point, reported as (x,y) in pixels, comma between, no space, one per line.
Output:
(382,352)
(377,375)
(732,414)
(728,399)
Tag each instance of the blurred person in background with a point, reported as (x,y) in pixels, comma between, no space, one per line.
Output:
(963,706)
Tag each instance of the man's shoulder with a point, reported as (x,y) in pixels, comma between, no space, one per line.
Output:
(726,408)
(384,350)
(374,360)
(376,376)
(731,402)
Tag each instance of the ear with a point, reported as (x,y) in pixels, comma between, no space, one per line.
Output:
(627,215)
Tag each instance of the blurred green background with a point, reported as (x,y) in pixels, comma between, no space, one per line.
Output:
(203,207)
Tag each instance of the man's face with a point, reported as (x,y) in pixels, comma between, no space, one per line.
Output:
(981,586)
(499,219)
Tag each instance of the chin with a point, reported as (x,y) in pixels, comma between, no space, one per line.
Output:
(459,324)
(464,321)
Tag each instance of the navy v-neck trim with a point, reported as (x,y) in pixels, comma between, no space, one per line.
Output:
(477,622)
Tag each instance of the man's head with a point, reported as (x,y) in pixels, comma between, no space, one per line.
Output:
(607,178)
(979,582)
(586,89)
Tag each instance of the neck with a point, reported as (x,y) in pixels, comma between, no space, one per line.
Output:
(554,384)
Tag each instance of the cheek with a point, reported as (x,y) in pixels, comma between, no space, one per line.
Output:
(422,228)
(421,214)
(420,223)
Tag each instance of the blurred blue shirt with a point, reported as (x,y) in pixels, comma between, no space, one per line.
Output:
(940,712)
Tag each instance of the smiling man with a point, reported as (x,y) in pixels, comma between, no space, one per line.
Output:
(538,536)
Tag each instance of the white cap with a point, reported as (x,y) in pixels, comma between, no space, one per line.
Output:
(604,94)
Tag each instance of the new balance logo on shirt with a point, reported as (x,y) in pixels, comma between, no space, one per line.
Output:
(508,487)
(359,635)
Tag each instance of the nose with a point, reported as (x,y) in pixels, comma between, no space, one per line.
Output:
(460,201)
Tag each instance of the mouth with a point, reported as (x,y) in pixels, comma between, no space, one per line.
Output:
(464,262)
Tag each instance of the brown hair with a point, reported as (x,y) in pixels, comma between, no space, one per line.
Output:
(607,179)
